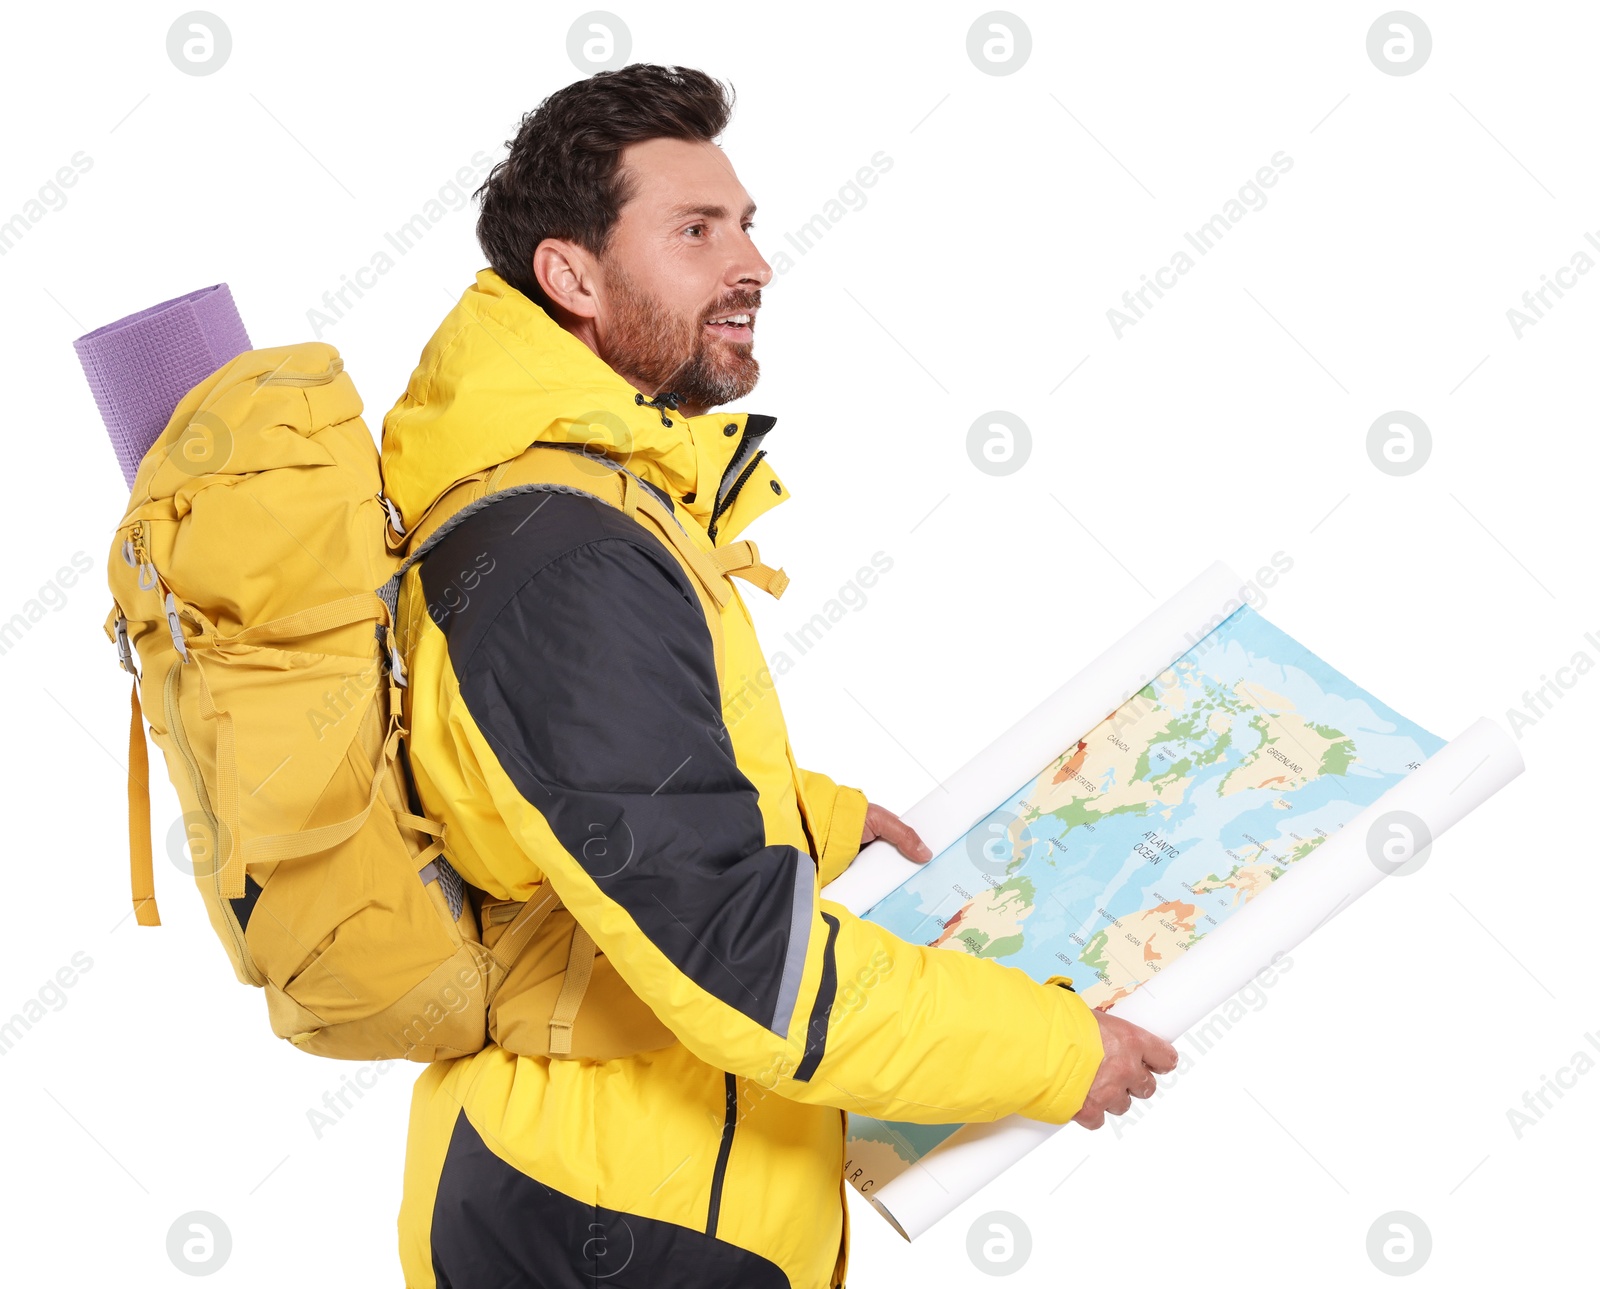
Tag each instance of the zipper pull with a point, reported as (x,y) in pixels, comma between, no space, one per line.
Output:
(135,555)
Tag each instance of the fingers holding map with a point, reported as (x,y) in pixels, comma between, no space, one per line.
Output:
(1210,793)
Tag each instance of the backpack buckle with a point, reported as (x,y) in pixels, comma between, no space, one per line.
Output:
(397,666)
(125,649)
(175,625)
(395,522)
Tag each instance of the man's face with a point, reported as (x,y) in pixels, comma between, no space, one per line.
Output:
(680,260)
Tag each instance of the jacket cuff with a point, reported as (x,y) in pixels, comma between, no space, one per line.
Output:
(844,832)
(1076,1051)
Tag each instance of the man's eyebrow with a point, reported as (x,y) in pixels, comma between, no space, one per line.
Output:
(707,212)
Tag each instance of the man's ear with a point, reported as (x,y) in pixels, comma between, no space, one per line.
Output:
(567,274)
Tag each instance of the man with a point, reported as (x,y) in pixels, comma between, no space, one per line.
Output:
(592,719)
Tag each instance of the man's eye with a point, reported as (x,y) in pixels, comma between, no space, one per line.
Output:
(692,227)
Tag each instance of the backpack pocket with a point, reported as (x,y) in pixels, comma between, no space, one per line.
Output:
(323,886)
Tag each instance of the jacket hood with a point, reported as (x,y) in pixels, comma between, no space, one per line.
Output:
(500,374)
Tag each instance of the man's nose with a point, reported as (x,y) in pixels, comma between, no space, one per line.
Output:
(749,269)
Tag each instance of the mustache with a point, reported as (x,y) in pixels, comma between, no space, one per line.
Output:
(738,302)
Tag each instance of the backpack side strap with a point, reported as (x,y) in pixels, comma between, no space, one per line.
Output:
(139,849)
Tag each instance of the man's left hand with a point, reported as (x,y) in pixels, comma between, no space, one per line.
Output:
(891,828)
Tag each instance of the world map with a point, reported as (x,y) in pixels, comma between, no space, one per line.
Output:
(1193,797)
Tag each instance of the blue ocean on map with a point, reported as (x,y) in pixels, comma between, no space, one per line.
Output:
(1198,793)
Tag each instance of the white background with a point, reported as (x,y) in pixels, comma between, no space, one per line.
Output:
(1230,422)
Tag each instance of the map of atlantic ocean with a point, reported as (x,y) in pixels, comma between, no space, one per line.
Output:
(1198,793)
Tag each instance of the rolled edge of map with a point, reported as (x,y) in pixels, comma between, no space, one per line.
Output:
(946,814)
(955,1170)
(1441,792)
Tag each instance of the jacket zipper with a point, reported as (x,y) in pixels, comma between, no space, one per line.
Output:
(730,1121)
(723,506)
(842,1263)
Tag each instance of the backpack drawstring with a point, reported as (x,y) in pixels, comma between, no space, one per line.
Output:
(669,399)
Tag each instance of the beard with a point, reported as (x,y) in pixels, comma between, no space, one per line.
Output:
(654,347)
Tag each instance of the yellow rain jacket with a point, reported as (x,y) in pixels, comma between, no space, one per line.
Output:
(592,719)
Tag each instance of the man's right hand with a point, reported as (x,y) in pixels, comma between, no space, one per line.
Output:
(1133,1058)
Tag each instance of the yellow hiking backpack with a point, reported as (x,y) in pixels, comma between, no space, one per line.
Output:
(254,600)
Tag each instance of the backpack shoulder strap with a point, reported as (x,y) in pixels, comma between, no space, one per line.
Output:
(555,467)
(574,471)
(559,467)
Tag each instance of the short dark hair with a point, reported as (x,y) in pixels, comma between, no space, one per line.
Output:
(562,177)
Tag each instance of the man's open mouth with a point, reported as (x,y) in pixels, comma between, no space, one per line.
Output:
(733,326)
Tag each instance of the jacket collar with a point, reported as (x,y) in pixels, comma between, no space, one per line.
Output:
(499,374)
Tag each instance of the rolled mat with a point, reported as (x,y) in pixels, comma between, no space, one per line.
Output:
(141,366)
